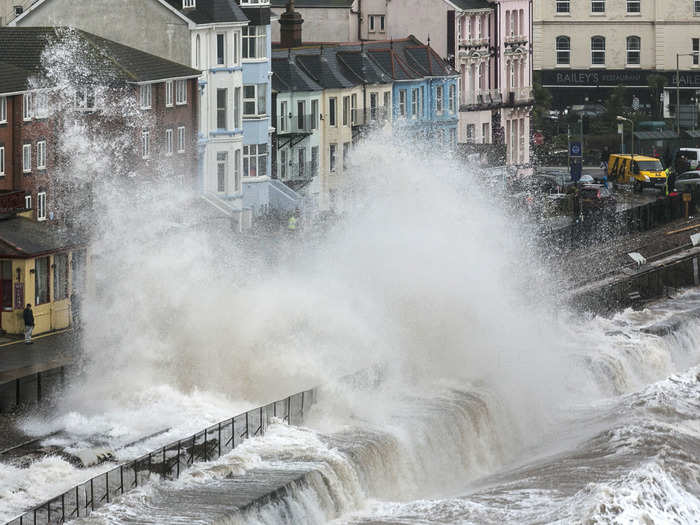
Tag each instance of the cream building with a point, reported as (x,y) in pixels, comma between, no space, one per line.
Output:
(584,48)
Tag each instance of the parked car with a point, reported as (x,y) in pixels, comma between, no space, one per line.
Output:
(688,181)
(692,154)
(596,196)
(638,170)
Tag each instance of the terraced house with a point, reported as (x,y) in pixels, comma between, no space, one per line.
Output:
(41,262)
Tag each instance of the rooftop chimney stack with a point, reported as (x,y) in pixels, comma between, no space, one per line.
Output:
(290,27)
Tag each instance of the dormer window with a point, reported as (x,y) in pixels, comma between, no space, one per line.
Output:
(189,4)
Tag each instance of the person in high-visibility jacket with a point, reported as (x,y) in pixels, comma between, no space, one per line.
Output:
(292,223)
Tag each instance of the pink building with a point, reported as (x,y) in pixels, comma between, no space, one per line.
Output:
(493,56)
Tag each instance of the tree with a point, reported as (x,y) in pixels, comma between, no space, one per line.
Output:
(656,88)
(614,106)
(543,103)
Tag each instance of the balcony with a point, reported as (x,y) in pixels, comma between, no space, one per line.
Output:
(469,43)
(297,125)
(516,40)
(299,171)
(483,99)
(370,116)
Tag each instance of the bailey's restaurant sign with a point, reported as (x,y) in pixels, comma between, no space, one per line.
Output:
(614,77)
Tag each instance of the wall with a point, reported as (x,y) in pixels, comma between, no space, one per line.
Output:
(430,26)
(6,135)
(143,24)
(323,25)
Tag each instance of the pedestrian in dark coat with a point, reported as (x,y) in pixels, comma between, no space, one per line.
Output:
(28,324)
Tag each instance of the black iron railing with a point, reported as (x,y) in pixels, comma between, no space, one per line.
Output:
(166,462)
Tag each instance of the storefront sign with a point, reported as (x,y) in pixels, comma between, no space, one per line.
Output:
(615,77)
(19,295)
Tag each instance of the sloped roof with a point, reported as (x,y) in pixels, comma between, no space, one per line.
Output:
(321,65)
(472,4)
(288,76)
(333,4)
(12,78)
(23,47)
(358,63)
(211,11)
(21,237)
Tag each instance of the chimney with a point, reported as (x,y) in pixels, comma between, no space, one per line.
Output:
(290,27)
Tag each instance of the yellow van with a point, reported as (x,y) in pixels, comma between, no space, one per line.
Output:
(638,170)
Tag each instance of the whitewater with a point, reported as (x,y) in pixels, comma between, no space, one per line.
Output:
(488,401)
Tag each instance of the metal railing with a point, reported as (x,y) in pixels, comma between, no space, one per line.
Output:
(377,114)
(297,124)
(167,462)
(300,171)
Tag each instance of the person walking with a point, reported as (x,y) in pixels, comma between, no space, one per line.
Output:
(28,324)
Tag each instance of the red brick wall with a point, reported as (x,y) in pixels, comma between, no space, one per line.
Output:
(6,182)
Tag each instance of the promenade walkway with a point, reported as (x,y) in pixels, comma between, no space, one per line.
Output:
(49,351)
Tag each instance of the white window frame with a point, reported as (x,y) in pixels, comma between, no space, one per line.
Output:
(563,6)
(222,112)
(168,142)
(41,206)
(237,170)
(634,6)
(283,115)
(415,94)
(26,158)
(220,60)
(41,155)
(597,6)
(696,7)
(332,157)
(27,106)
(181,145)
(438,100)
(2,161)
(221,174)
(28,202)
(628,50)
(145,144)
(189,4)
(145,96)
(599,51)
(168,93)
(402,102)
(255,38)
(567,50)
(3,110)
(376,24)
(41,105)
(451,97)
(258,156)
(333,112)
(257,89)
(181,92)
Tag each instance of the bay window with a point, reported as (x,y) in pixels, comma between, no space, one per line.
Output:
(254,100)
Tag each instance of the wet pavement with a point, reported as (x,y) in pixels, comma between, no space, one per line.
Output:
(48,351)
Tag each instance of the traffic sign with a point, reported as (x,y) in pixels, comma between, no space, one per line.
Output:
(575,149)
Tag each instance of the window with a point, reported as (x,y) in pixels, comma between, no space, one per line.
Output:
(598,50)
(597,6)
(314,161)
(3,110)
(346,154)
(181,92)
(696,50)
(346,110)
(634,6)
(387,102)
(415,93)
(181,139)
(145,144)
(2,161)
(41,280)
(376,23)
(332,108)
(220,49)
(168,93)
(634,46)
(221,171)
(373,106)
(314,114)
(402,102)
(485,135)
(331,155)
(301,155)
(254,100)
(60,276)
(27,106)
(28,202)
(145,96)
(452,96)
(470,132)
(353,108)
(438,99)
(697,7)
(301,114)
(237,108)
(188,4)
(563,50)
(236,48)
(255,160)
(254,42)
(41,105)
(85,99)
(168,142)
(197,52)
(237,171)
(221,95)
(563,6)
(6,284)
(283,116)
(41,155)
(41,206)
(283,164)
(27,158)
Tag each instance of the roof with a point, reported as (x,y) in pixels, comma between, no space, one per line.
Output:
(288,76)
(22,48)
(23,238)
(466,5)
(332,4)
(211,11)
(655,135)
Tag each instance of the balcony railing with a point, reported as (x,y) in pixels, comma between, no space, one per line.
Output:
(523,94)
(299,171)
(297,124)
(482,98)
(516,39)
(362,117)
(474,42)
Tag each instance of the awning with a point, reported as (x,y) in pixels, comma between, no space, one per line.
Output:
(655,135)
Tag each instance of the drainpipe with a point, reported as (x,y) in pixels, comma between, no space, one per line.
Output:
(359,19)
(531,65)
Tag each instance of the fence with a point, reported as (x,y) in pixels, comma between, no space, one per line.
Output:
(602,225)
(167,462)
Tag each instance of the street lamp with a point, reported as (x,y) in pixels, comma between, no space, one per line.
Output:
(623,119)
(678,88)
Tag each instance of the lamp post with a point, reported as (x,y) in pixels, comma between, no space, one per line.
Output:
(678,88)
(623,119)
